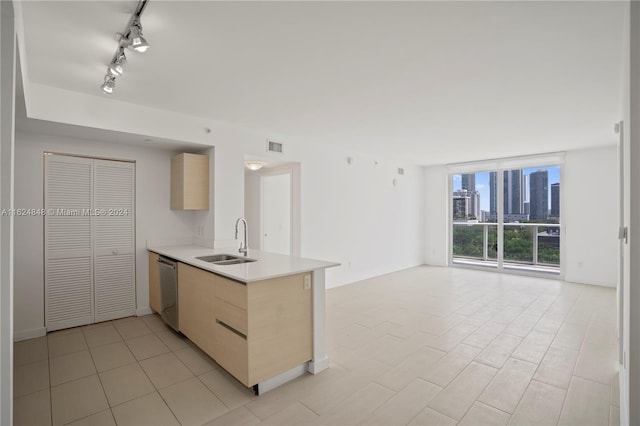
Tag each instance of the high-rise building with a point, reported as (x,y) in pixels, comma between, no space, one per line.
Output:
(493,196)
(539,195)
(461,205)
(475,204)
(513,192)
(469,182)
(466,205)
(555,200)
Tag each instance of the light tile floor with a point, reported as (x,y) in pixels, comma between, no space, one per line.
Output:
(424,346)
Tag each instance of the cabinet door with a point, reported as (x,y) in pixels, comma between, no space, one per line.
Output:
(190,182)
(196,294)
(154,282)
(114,244)
(232,352)
(280,331)
(68,266)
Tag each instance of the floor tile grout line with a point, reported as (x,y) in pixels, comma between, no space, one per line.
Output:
(50,387)
(99,380)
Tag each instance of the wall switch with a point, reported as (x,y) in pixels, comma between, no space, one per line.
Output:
(307,282)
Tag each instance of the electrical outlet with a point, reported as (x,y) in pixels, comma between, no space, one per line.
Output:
(307,282)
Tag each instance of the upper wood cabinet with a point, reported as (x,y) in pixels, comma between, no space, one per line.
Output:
(190,182)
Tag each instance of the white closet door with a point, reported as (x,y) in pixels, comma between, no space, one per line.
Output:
(114,244)
(68,242)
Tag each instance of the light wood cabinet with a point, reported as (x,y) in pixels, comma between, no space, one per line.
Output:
(263,328)
(196,307)
(154,282)
(256,330)
(190,182)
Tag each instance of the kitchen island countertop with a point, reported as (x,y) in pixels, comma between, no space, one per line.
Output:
(266,266)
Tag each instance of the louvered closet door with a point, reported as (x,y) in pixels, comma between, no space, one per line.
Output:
(68,242)
(114,245)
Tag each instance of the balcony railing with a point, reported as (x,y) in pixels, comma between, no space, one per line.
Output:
(525,244)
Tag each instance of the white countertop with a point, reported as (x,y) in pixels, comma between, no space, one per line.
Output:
(267,265)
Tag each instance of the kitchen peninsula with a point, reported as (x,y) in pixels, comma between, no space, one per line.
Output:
(261,317)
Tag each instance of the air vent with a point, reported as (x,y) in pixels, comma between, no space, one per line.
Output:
(400,171)
(274,147)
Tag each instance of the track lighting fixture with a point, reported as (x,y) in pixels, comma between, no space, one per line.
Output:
(135,41)
(108,85)
(132,38)
(116,67)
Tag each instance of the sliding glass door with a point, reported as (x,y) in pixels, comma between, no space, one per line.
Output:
(507,219)
(474,231)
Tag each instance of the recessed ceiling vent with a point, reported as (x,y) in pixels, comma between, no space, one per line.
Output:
(400,171)
(274,147)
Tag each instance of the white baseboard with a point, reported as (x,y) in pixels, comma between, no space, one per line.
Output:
(145,310)
(29,334)
(317,366)
(281,379)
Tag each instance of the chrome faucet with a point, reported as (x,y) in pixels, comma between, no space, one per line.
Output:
(244,246)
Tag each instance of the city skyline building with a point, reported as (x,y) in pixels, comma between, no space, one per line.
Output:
(513,187)
(466,204)
(461,204)
(469,182)
(539,195)
(493,196)
(555,200)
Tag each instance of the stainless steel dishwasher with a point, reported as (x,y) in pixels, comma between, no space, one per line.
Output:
(169,291)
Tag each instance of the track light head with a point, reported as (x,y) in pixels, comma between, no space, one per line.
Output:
(108,85)
(131,38)
(116,67)
(135,41)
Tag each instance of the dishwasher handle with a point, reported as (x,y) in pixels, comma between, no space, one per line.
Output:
(163,262)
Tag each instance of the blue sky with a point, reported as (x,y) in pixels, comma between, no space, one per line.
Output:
(482,183)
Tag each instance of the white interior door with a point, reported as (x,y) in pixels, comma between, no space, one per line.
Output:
(68,242)
(114,245)
(623,236)
(276,213)
(89,240)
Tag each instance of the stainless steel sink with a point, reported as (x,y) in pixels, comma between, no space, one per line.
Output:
(217,258)
(234,261)
(225,259)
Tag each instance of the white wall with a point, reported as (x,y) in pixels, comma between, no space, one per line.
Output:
(352,214)
(252,194)
(630,375)
(590,215)
(436,212)
(7,120)
(154,219)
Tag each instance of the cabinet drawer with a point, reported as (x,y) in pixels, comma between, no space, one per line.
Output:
(231,291)
(232,353)
(231,315)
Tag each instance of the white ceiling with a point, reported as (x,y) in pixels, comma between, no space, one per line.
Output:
(436,82)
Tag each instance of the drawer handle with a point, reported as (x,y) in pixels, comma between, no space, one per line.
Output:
(231,329)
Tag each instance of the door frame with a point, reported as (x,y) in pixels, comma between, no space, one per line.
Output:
(293,170)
